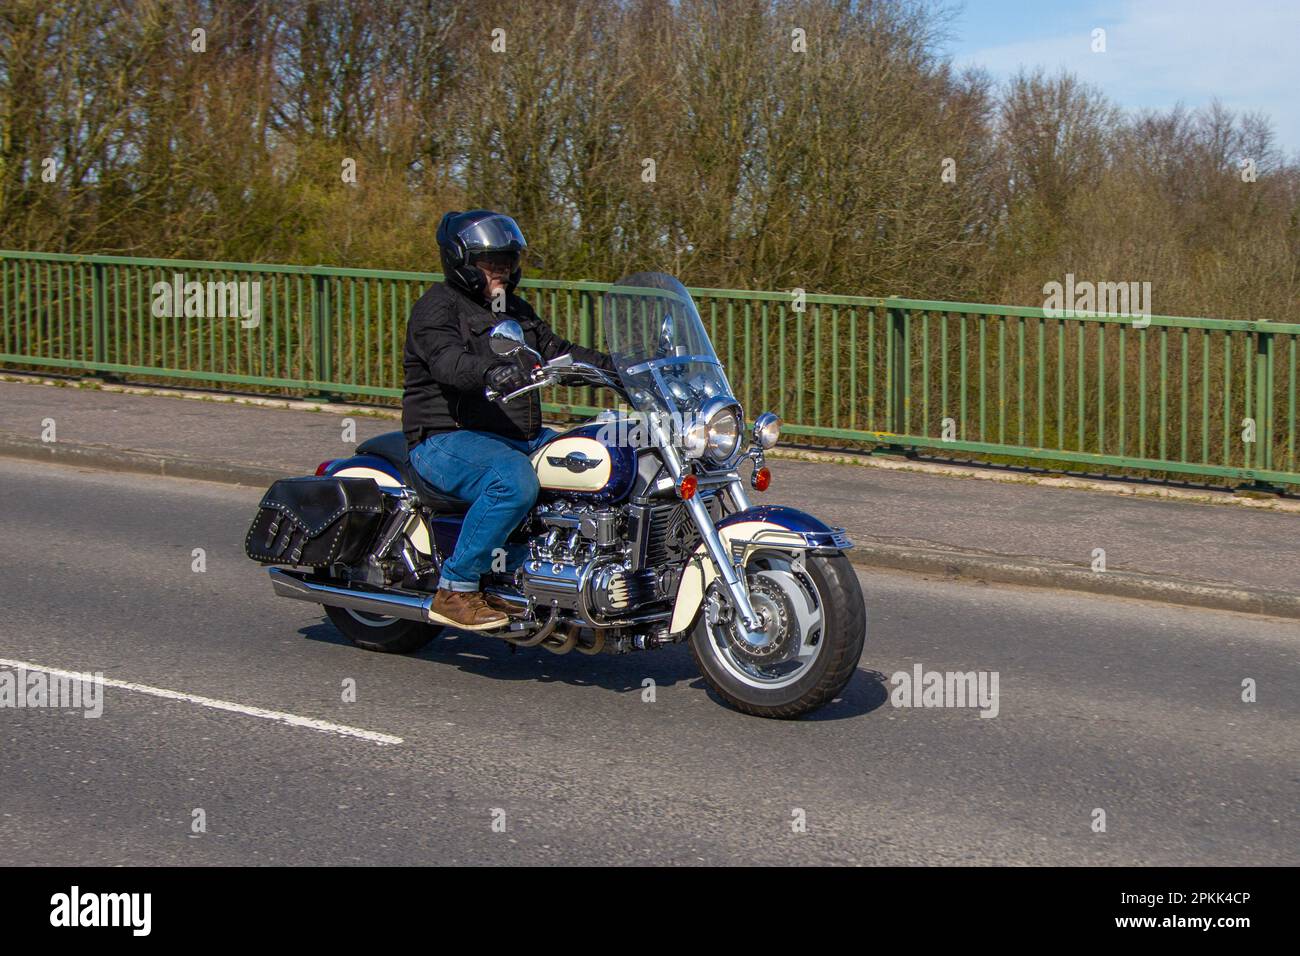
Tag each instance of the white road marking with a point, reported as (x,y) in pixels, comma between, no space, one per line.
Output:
(294,720)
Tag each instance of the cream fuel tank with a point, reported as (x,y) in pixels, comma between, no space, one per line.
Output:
(588,462)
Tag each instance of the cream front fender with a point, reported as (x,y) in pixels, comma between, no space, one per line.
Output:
(700,572)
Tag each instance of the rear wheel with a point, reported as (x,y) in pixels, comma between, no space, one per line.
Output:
(378,632)
(817,625)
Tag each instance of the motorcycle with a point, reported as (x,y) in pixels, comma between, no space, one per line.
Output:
(643,533)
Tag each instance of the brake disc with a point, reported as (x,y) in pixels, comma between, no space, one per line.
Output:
(770,603)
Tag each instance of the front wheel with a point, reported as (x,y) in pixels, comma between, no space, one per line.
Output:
(816,622)
(378,632)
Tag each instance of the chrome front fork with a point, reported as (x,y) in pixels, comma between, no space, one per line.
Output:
(739,495)
(752,630)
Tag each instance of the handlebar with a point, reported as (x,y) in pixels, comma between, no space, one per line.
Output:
(492,395)
(549,373)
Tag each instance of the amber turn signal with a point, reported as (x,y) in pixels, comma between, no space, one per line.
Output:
(760,479)
(686,487)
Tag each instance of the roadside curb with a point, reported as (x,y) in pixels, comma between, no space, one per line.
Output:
(948,563)
(998,569)
(976,472)
(110,458)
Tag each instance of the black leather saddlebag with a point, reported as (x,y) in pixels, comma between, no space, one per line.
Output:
(314,522)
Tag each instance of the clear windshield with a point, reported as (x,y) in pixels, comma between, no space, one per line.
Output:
(659,345)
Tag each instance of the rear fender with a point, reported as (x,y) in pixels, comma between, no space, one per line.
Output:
(384,474)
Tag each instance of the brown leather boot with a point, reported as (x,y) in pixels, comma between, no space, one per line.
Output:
(509,608)
(466,610)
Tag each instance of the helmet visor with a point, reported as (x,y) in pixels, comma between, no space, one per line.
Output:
(495,260)
(493,234)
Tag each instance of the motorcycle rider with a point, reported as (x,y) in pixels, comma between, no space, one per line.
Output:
(459,442)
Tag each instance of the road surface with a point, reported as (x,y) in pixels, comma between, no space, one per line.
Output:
(1129,707)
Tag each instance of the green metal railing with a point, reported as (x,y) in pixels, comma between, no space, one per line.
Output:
(1213,398)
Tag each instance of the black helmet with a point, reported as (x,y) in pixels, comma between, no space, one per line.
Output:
(464,235)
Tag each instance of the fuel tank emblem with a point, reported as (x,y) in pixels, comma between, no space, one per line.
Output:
(575,461)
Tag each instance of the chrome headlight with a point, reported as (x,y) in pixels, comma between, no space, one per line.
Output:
(767,429)
(695,439)
(716,431)
(723,426)
(724,436)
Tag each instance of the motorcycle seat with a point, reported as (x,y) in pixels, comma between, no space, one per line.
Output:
(391,446)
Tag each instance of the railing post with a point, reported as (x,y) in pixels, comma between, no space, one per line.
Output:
(99,327)
(587,324)
(1262,460)
(897,369)
(1264,399)
(321,338)
(98,318)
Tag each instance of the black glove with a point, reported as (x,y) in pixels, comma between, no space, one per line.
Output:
(601,361)
(505,378)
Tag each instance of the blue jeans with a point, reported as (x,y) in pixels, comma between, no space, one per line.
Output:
(495,475)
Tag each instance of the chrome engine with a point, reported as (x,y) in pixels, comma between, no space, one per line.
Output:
(583,564)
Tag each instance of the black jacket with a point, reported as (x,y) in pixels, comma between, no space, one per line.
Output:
(447,356)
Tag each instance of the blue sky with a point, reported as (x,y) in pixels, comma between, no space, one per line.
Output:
(1158,52)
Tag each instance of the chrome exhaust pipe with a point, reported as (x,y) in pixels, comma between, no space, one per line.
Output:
(539,636)
(596,646)
(566,643)
(408,605)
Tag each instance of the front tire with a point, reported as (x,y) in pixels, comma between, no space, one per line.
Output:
(821,626)
(380,633)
